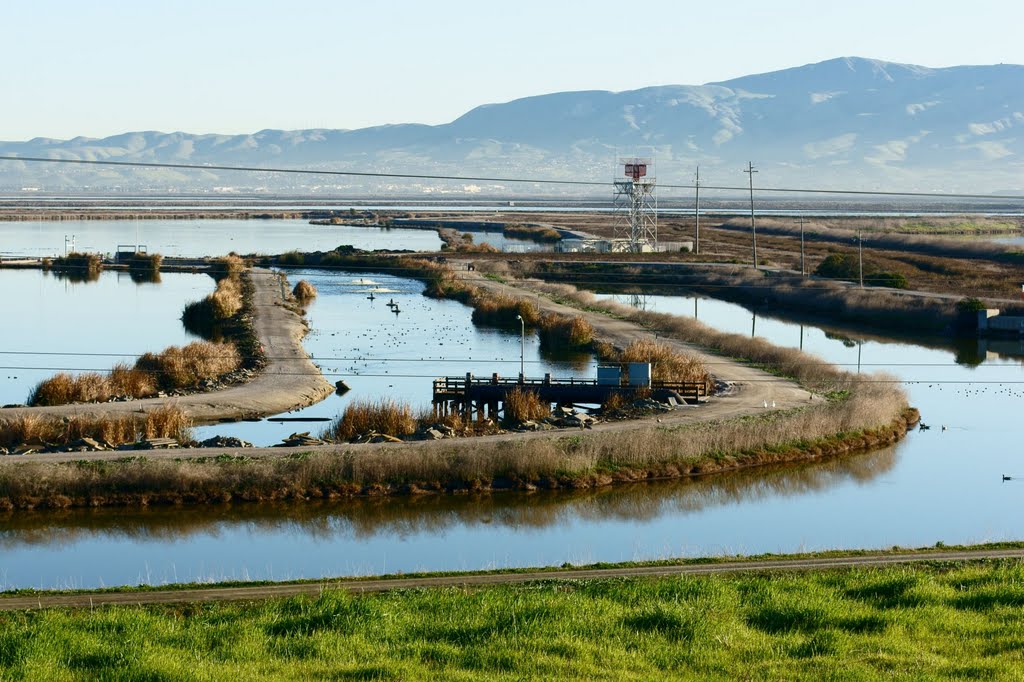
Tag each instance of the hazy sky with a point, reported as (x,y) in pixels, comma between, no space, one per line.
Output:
(106,66)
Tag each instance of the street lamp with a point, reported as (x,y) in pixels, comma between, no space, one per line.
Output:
(522,348)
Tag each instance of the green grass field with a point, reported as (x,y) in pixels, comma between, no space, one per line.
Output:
(912,622)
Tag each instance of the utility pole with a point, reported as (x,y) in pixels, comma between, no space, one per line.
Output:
(696,214)
(803,270)
(860,256)
(753,228)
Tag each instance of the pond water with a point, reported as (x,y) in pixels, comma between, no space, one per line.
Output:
(944,484)
(381,354)
(59,324)
(509,244)
(195,238)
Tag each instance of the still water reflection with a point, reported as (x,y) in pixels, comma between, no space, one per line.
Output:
(59,324)
(937,485)
(196,238)
(75,548)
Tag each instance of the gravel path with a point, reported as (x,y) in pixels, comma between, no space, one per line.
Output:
(257,592)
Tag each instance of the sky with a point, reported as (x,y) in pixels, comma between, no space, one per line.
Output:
(109,66)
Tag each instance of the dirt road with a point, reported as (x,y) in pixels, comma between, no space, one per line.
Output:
(258,592)
(289,380)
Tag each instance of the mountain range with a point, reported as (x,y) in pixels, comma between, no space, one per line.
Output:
(844,123)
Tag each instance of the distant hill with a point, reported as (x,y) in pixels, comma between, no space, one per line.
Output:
(847,122)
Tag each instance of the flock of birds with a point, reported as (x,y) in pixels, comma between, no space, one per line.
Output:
(407,341)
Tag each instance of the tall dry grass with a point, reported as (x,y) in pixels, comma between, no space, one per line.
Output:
(561,331)
(304,291)
(362,416)
(188,366)
(537,233)
(173,368)
(122,381)
(230,265)
(145,263)
(667,363)
(522,405)
(501,309)
(165,422)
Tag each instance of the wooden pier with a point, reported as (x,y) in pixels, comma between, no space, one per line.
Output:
(486,396)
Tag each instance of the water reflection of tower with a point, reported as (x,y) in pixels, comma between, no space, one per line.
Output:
(639,301)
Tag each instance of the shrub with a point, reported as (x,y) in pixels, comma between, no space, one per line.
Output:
(561,331)
(165,422)
(613,403)
(127,380)
(188,366)
(304,291)
(970,305)
(227,266)
(360,417)
(291,258)
(844,266)
(77,267)
(523,405)
(203,316)
(667,364)
(147,263)
(64,388)
(501,310)
(537,233)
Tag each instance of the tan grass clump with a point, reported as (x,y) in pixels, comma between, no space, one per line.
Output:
(362,416)
(502,309)
(667,363)
(522,405)
(165,422)
(561,331)
(231,265)
(613,403)
(168,421)
(187,366)
(304,291)
(125,380)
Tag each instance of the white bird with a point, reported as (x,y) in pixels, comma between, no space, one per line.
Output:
(773,404)
(765,404)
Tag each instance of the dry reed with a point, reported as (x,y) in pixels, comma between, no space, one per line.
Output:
(562,331)
(502,310)
(165,422)
(188,366)
(304,291)
(362,416)
(522,405)
(231,265)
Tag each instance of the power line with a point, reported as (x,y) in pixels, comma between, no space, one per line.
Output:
(372,359)
(470,178)
(375,375)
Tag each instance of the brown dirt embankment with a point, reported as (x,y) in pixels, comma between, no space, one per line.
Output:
(289,379)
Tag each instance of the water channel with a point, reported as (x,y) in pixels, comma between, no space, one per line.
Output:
(937,485)
(202,237)
(57,323)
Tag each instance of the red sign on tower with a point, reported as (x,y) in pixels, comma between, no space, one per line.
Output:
(636,170)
